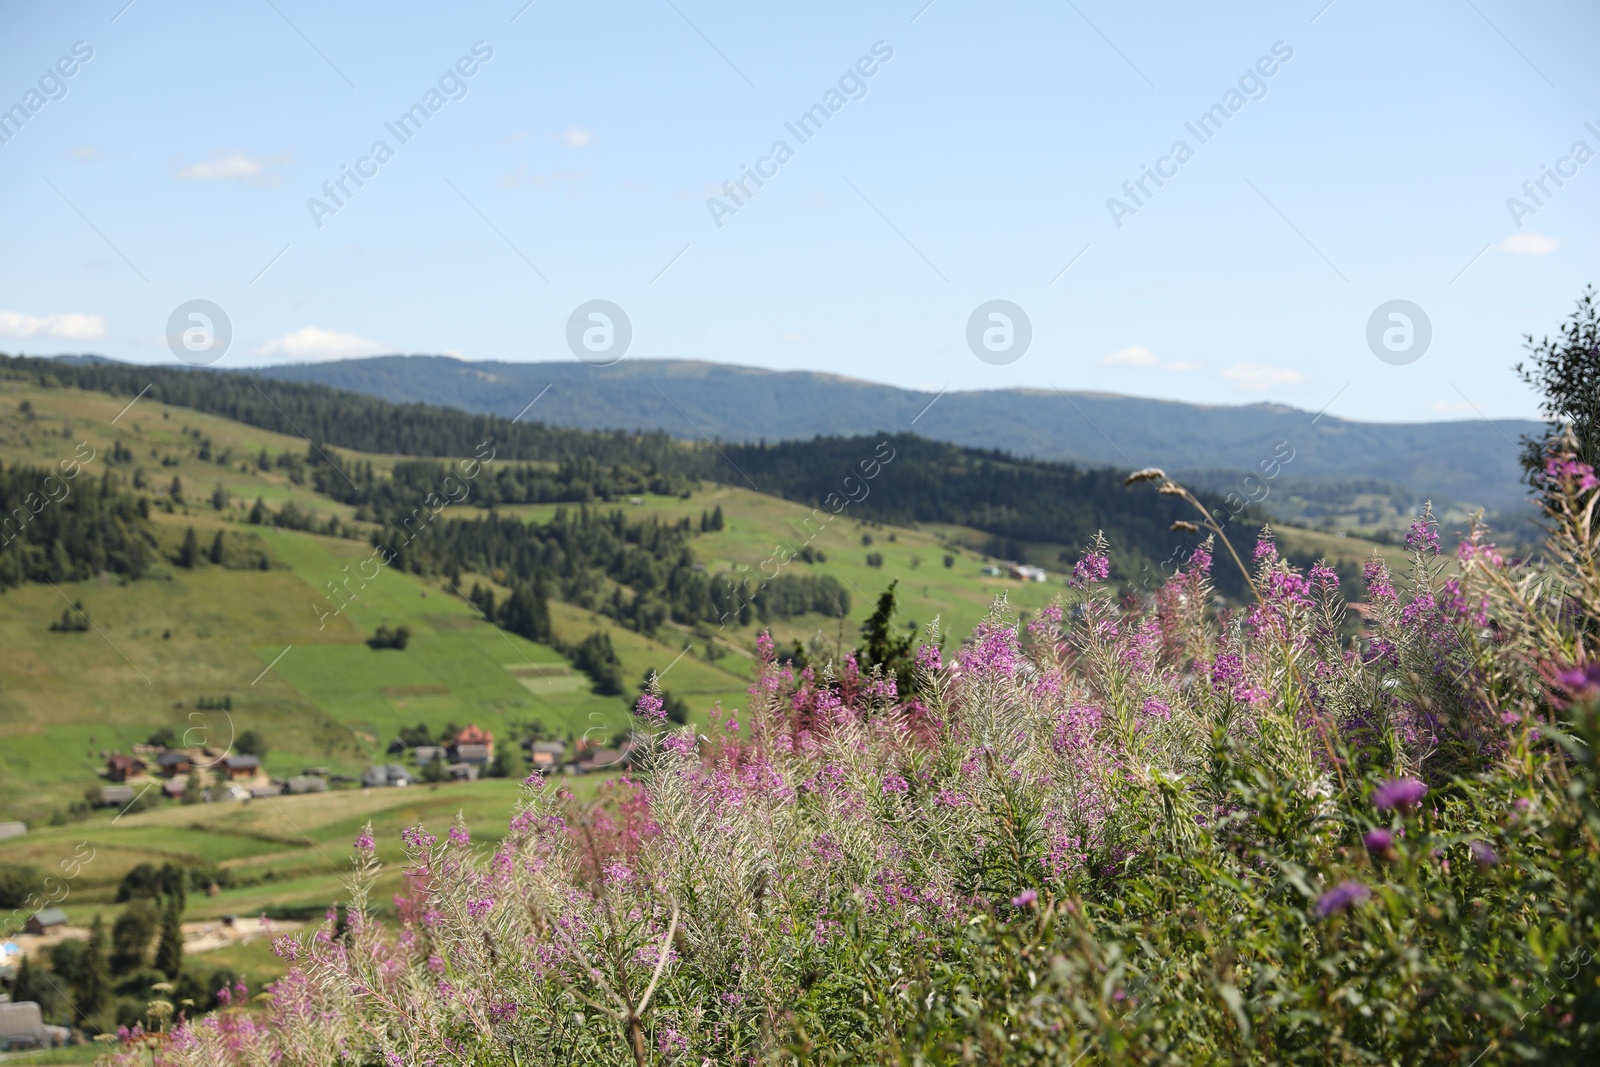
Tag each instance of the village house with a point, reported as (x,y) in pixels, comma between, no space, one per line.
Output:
(241,767)
(173,763)
(381,775)
(474,745)
(120,768)
(546,756)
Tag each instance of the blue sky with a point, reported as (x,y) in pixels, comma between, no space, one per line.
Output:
(1375,163)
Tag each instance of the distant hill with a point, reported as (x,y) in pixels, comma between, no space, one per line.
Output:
(1471,462)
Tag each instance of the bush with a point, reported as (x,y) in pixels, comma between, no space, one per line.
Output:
(21,885)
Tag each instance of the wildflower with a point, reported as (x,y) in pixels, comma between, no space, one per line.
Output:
(1402,793)
(1581,682)
(1424,535)
(479,908)
(650,707)
(928,658)
(1380,843)
(1093,567)
(1559,469)
(364,842)
(1341,898)
(1025,898)
(1266,547)
(1376,575)
(894,783)
(1483,854)
(1325,578)
(671,1042)
(459,835)
(1200,559)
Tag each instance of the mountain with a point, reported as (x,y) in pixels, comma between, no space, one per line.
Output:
(1472,462)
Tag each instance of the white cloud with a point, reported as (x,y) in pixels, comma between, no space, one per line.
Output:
(72,327)
(1260,377)
(310,342)
(1134,356)
(235,166)
(85,153)
(1140,356)
(577,137)
(1529,244)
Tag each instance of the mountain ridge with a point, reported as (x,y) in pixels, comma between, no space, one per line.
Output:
(1473,462)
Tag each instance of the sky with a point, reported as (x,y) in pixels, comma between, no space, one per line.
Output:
(1314,164)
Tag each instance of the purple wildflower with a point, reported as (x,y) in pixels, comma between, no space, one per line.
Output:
(894,783)
(1424,535)
(460,836)
(928,658)
(1024,899)
(1341,898)
(479,908)
(1402,793)
(365,843)
(1483,854)
(650,707)
(1380,843)
(1093,567)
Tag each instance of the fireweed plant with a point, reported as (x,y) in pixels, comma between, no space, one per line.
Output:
(1296,831)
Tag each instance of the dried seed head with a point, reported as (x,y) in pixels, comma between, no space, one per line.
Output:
(1171,489)
(1148,474)
(1184,526)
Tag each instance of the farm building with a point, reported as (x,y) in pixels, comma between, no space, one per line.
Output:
(174,763)
(385,774)
(120,768)
(44,921)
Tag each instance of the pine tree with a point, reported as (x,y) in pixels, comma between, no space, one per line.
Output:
(25,986)
(219,497)
(190,552)
(169,950)
(258,513)
(216,548)
(94,974)
(716,518)
(176,491)
(883,646)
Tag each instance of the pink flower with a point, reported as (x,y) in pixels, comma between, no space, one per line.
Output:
(460,836)
(365,843)
(650,707)
(1093,567)
(1402,793)
(1025,898)
(928,658)
(479,908)
(894,783)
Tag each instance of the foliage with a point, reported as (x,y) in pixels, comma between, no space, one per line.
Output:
(19,884)
(59,528)
(397,638)
(250,743)
(1566,372)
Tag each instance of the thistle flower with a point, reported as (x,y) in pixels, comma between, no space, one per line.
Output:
(1380,843)
(1483,854)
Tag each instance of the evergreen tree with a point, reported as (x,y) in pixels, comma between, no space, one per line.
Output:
(169,950)
(94,973)
(130,935)
(190,552)
(176,490)
(509,761)
(716,518)
(216,548)
(219,497)
(258,513)
(884,646)
(26,985)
